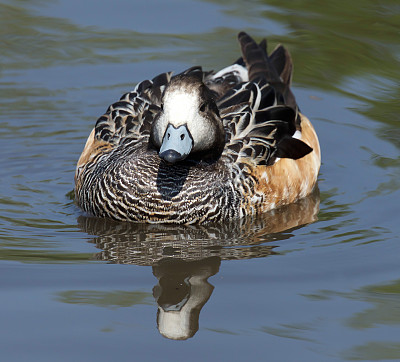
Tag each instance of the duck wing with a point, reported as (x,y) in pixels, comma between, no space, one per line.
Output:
(261,116)
(131,116)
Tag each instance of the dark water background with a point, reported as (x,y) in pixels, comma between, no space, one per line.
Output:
(317,281)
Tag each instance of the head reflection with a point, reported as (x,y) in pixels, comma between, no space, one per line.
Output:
(182,291)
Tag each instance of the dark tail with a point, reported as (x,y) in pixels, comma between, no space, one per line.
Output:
(276,69)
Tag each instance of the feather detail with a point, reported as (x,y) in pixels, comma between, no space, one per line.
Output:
(252,148)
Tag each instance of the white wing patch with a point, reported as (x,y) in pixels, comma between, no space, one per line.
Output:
(297,135)
(236,69)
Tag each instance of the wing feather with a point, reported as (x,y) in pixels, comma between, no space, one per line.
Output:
(259,131)
(130,117)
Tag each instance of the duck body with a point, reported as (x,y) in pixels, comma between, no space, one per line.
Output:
(201,147)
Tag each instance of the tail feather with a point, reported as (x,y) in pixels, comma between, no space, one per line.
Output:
(282,62)
(276,69)
(256,59)
(263,45)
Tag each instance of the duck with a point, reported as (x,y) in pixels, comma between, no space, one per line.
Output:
(200,146)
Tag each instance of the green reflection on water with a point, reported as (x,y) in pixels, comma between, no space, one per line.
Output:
(112,300)
(341,38)
(386,301)
(351,48)
(385,312)
(295,331)
(43,256)
(51,41)
(374,351)
(328,40)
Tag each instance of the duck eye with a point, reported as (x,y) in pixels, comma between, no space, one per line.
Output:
(203,107)
(182,137)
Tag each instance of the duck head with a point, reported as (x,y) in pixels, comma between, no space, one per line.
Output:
(188,123)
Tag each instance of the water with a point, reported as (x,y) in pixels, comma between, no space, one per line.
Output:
(318,280)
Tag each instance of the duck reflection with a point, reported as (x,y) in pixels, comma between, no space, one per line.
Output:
(184,257)
(181,293)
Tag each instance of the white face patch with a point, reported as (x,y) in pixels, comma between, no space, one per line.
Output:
(180,107)
(183,108)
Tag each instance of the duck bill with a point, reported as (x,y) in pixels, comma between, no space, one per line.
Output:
(176,144)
